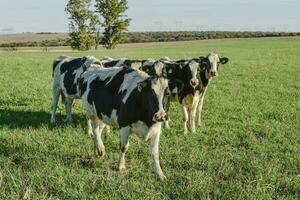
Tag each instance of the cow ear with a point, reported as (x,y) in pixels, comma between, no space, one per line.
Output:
(176,86)
(198,60)
(201,58)
(224,60)
(144,69)
(142,86)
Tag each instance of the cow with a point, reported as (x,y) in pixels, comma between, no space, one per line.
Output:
(192,103)
(192,95)
(209,69)
(128,99)
(65,74)
(184,72)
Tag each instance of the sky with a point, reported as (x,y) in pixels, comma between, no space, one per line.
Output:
(18,16)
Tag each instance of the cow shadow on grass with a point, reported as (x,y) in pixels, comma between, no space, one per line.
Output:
(14,119)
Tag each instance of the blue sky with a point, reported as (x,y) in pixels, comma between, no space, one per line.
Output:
(160,15)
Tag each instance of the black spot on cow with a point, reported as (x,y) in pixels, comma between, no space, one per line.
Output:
(111,63)
(180,72)
(203,78)
(102,91)
(72,65)
(69,71)
(144,103)
(82,86)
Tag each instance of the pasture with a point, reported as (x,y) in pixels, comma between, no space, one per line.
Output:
(248,146)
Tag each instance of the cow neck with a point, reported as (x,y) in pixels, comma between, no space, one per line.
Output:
(204,76)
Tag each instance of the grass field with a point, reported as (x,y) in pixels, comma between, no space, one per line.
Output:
(247,148)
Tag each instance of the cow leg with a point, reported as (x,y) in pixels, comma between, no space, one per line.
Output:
(192,112)
(154,145)
(166,105)
(97,127)
(124,144)
(167,125)
(185,118)
(54,101)
(89,127)
(200,105)
(68,107)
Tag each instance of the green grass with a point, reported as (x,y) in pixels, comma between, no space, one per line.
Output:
(247,148)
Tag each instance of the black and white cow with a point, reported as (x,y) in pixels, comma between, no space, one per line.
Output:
(65,74)
(192,95)
(128,99)
(209,69)
(185,72)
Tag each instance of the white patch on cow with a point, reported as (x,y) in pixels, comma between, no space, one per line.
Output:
(107,58)
(144,132)
(175,90)
(131,81)
(136,65)
(194,66)
(159,66)
(170,71)
(140,129)
(149,61)
(213,59)
(159,86)
(165,59)
(77,74)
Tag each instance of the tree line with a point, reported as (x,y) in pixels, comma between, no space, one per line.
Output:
(140,37)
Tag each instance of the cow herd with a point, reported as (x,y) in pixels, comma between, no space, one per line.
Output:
(133,95)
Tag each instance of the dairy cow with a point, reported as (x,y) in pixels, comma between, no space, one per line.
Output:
(209,69)
(65,74)
(187,73)
(192,101)
(128,99)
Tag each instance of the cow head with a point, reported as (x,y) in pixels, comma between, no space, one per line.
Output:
(156,68)
(191,70)
(211,63)
(153,91)
(134,64)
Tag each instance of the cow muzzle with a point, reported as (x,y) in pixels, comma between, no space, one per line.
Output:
(212,73)
(194,82)
(160,117)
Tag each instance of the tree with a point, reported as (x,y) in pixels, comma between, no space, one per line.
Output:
(82,24)
(115,21)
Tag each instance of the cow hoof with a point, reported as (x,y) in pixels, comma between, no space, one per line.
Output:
(122,168)
(161,177)
(100,154)
(90,133)
(168,126)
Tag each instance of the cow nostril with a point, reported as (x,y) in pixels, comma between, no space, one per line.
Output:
(193,83)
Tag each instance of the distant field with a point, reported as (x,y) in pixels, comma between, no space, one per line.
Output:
(247,148)
(30,37)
